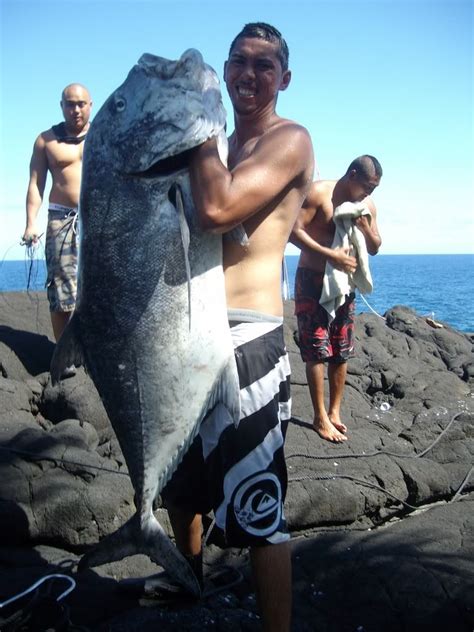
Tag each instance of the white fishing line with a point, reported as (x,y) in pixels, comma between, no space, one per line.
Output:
(38,583)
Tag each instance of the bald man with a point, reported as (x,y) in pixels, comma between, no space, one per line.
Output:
(59,151)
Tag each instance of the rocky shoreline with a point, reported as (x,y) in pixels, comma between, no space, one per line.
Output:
(382,525)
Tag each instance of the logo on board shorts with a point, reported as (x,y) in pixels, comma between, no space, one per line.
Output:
(257,504)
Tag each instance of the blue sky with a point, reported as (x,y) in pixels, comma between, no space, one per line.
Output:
(392,78)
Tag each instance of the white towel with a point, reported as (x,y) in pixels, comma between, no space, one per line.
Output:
(338,284)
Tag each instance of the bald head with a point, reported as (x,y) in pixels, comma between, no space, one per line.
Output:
(76,106)
(73,89)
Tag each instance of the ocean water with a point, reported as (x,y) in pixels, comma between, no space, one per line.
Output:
(22,275)
(441,286)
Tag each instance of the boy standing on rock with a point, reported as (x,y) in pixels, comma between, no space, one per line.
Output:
(322,339)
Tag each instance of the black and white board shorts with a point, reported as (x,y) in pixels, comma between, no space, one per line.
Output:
(240,472)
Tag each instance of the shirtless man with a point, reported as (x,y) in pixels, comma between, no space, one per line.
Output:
(269,173)
(59,151)
(320,341)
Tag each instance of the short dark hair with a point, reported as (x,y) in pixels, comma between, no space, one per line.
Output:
(262,30)
(365,166)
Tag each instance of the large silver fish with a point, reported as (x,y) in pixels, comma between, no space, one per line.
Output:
(151,324)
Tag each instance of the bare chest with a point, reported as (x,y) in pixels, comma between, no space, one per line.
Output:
(238,153)
(63,155)
(322,228)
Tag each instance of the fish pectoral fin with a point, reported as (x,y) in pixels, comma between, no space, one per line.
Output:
(285,281)
(226,394)
(231,390)
(175,196)
(237,235)
(68,351)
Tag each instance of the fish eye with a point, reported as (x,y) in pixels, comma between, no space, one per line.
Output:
(120,104)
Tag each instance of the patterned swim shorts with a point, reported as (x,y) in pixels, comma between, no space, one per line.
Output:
(61,253)
(320,340)
(240,472)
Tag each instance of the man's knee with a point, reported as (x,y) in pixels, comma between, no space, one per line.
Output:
(270,550)
(273,559)
(337,361)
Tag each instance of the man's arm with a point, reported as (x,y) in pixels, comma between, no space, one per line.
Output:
(34,196)
(369,228)
(338,257)
(226,198)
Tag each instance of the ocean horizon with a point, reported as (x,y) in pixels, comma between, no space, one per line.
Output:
(440,286)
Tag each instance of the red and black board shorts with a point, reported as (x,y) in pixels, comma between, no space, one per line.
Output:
(320,340)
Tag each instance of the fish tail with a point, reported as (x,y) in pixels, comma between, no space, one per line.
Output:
(143,537)
(228,391)
(68,350)
(113,547)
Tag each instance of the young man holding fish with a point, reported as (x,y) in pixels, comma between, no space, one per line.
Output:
(59,151)
(270,169)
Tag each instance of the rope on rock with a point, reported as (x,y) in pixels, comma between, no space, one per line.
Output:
(351,455)
(35,456)
(42,611)
(329,477)
(58,461)
(371,454)
(370,306)
(463,484)
(38,583)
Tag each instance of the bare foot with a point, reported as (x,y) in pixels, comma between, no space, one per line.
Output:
(327,430)
(337,423)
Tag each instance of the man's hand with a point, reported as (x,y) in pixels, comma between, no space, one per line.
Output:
(363,223)
(31,234)
(342,260)
(368,227)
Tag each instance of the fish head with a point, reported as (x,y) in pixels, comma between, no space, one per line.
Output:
(163,109)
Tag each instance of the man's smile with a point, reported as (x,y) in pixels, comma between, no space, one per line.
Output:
(244,91)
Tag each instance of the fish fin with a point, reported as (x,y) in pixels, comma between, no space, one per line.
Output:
(160,589)
(175,195)
(176,460)
(68,351)
(212,427)
(229,388)
(227,392)
(285,281)
(222,146)
(148,538)
(238,234)
(223,408)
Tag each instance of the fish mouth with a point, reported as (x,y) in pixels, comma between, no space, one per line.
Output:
(165,166)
